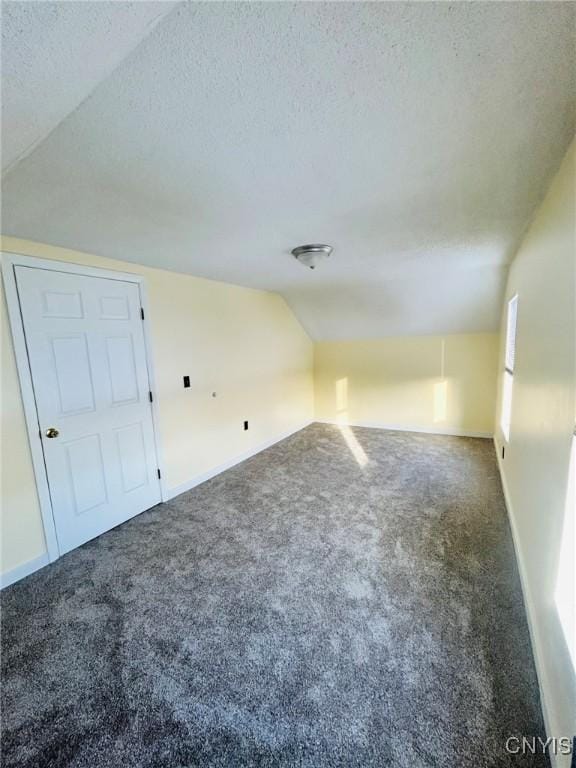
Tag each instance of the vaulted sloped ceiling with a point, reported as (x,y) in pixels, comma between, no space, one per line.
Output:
(416,138)
(54,54)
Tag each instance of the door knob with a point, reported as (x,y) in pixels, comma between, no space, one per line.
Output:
(52,432)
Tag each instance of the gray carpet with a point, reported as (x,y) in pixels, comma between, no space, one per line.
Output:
(297,610)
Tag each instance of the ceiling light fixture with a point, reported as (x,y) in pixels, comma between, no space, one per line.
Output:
(311,255)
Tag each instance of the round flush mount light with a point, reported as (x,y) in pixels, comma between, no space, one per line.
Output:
(311,255)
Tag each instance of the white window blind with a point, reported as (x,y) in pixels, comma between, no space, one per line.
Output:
(511,334)
(509,359)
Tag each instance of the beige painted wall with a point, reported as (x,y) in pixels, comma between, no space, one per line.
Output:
(436,383)
(536,463)
(244,344)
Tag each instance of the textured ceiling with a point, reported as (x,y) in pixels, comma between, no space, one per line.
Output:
(416,138)
(54,54)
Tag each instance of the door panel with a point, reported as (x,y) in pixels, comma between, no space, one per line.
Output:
(73,374)
(114,308)
(62,305)
(131,456)
(122,369)
(85,475)
(87,356)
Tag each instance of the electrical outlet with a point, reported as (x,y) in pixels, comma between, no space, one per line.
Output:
(186,382)
(245,426)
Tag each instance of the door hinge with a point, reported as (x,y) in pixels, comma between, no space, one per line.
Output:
(142,312)
(159,474)
(151,397)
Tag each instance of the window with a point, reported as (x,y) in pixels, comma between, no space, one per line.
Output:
(565,593)
(509,358)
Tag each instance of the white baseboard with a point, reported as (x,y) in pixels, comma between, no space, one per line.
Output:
(170,493)
(10,577)
(403,428)
(543,682)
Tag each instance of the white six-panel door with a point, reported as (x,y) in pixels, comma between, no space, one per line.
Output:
(87,356)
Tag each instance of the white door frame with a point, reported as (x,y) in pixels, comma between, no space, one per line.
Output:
(9,261)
